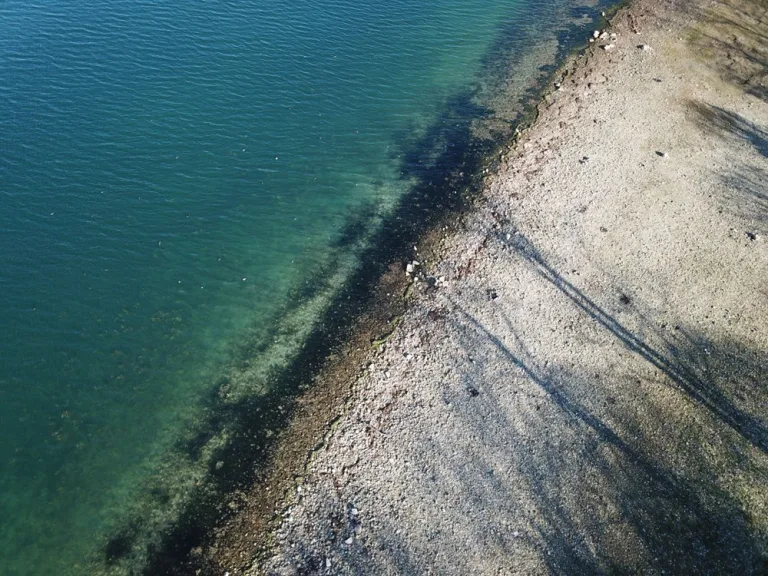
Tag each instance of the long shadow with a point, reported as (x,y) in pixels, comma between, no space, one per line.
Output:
(730,123)
(703,391)
(685,525)
(735,37)
(746,184)
(747,189)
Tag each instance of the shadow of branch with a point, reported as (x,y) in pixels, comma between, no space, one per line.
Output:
(714,118)
(701,388)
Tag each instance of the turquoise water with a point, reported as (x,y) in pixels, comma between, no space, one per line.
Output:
(171,174)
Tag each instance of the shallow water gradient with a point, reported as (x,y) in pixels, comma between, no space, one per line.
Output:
(168,172)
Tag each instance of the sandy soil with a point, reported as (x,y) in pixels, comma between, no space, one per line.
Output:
(579,384)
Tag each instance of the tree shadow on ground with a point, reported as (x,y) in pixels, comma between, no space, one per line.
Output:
(600,499)
(748,194)
(727,123)
(732,37)
(701,388)
(746,183)
(614,479)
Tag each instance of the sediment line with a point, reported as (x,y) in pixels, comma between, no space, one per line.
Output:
(271,438)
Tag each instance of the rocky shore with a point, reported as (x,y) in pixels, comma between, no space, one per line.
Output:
(576,381)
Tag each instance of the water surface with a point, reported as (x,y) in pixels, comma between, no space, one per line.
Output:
(171,175)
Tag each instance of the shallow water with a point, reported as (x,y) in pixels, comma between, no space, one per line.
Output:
(171,177)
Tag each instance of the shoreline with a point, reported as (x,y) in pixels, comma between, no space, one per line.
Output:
(249,532)
(360,433)
(348,328)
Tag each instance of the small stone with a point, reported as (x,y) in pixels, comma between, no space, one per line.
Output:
(662,154)
(219,464)
(608,47)
(327,562)
(644,47)
(753,236)
(353,511)
(349,540)
(409,268)
(596,34)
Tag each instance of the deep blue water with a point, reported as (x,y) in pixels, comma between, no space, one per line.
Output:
(169,172)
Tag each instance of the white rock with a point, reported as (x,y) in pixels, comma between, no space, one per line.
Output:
(608,47)
(409,268)
(349,540)
(596,34)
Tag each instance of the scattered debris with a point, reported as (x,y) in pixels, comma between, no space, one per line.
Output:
(624,299)
(410,267)
(633,24)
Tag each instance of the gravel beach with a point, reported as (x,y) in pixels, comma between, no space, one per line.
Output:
(578,382)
